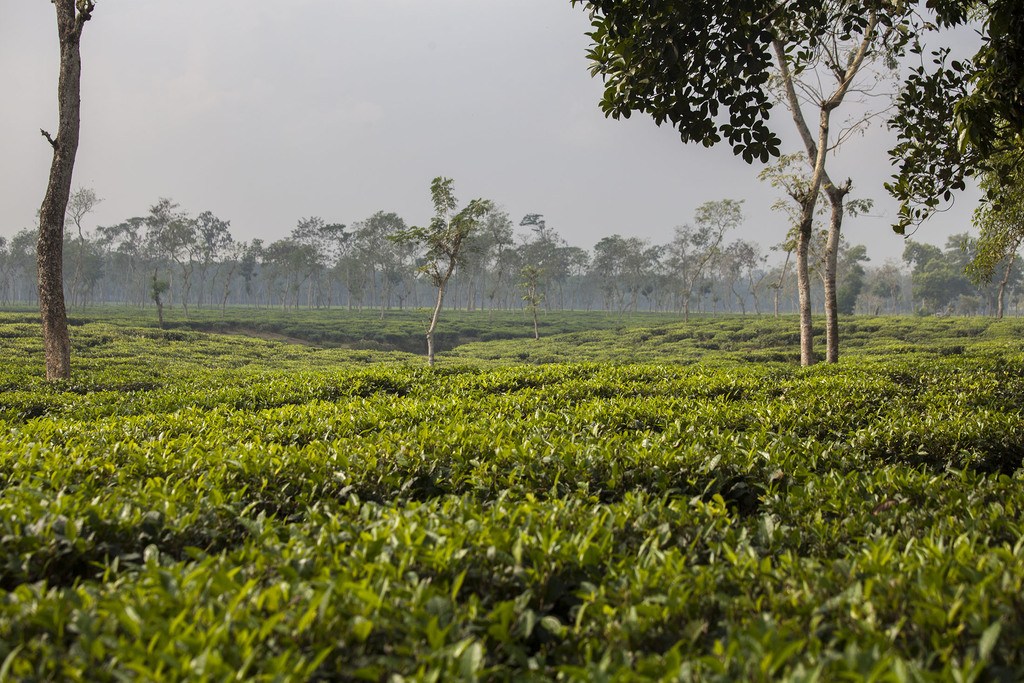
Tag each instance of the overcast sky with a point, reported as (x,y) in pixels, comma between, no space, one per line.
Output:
(264,112)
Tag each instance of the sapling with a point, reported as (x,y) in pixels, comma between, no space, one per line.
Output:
(443,240)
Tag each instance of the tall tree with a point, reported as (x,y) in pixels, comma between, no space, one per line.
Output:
(125,244)
(443,240)
(172,235)
(686,60)
(213,240)
(840,56)
(1000,223)
(852,282)
(377,247)
(71,18)
(937,277)
(544,248)
(485,256)
(530,282)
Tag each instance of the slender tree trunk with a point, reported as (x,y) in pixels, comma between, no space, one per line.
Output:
(536,324)
(803,280)
(1000,302)
(831,263)
(186,287)
(50,246)
(76,296)
(433,323)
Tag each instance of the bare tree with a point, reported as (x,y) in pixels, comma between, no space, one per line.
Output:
(71,18)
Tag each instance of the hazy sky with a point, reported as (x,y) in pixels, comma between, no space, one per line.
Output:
(264,112)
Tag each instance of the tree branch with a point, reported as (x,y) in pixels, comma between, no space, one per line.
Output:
(49,138)
(855,63)
(794,101)
(85,8)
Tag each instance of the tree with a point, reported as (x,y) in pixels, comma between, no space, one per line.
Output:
(853,273)
(71,18)
(335,241)
(885,283)
(842,58)
(497,239)
(546,250)
(685,60)
(294,263)
(213,240)
(937,277)
(386,256)
(608,267)
(739,258)
(252,254)
(695,247)
(172,234)
(442,241)
(126,244)
(157,288)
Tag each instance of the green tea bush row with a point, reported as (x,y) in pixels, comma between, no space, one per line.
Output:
(244,509)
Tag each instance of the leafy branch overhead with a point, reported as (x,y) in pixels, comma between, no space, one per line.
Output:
(960,118)
(705,68)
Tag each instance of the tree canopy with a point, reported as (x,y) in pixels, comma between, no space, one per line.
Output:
(960,118)
(705,68)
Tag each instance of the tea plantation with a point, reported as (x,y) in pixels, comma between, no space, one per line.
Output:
(680,502)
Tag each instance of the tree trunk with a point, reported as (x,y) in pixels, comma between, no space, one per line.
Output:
(49,248)
(433,323)
(1001,301)
(803,279)
(835,196)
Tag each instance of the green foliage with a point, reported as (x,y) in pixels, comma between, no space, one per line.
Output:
(1000,223)
(681,62)
(442,240)
(196,506)
(960,118)
(706,68)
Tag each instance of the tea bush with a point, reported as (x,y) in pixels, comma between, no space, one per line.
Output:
(195,506)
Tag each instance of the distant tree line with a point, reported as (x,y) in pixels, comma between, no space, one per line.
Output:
(172,258)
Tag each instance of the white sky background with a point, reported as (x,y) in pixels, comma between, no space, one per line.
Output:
(264,112)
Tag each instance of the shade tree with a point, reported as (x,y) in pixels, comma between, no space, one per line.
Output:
(81,203)
(695,246)
(707,69)
(389,259)
(213,242)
